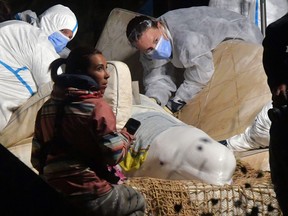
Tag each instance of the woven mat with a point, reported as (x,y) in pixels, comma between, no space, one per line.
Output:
(250,194)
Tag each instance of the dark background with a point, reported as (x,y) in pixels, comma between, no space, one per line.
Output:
(92,14)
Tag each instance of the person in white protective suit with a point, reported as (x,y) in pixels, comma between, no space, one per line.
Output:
(56,21)
(185,38)
(26,52)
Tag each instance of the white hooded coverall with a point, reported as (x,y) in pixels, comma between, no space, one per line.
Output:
(194,32)
(25,56)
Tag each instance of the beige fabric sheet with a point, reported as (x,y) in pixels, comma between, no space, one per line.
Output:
(236,93)
(21,124)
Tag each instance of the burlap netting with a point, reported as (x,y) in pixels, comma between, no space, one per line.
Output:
(250,194)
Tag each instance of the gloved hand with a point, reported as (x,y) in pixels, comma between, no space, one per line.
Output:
(175,105)
(155,100)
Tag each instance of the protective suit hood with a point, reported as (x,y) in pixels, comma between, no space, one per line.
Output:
(56,18)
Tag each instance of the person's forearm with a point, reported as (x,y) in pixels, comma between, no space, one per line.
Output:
(117,145)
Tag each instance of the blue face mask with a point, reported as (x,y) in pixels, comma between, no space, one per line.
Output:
(58,40)
(163,49)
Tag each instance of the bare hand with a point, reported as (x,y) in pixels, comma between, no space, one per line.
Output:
(124,129)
